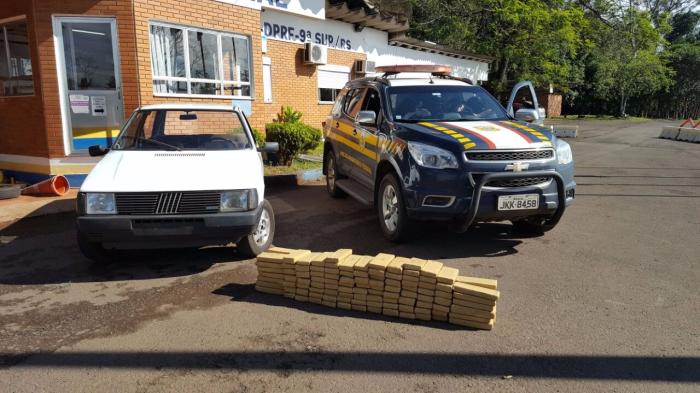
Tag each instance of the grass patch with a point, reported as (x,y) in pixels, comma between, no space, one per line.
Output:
(575,118)
(297,166)
(318,151)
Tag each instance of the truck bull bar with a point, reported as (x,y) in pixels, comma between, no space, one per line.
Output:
(464,223)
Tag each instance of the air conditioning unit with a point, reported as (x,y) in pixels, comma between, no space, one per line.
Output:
(364,67)
(315,53)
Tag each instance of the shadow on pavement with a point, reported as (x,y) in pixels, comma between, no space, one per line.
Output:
(308,218)
(43,250)
(582,367)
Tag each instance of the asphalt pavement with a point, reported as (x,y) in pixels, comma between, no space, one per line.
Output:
(607,301)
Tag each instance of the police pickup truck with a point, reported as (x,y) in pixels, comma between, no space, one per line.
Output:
(420,144)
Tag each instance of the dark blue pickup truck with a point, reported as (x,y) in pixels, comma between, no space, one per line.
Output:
(420,144)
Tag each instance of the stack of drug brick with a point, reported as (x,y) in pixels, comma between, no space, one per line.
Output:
(408,288)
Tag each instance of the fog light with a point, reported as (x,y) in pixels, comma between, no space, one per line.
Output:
(438,201)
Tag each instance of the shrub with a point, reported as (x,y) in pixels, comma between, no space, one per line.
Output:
(289,115)
(293,139)
(259,137)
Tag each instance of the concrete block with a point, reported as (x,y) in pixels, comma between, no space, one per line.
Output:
(566,131)
(669,133)
(689,135)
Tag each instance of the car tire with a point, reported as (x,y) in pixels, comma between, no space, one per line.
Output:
(391,210)
(94,250)
(332,174)
(261,239)
(532,226)
(10,191)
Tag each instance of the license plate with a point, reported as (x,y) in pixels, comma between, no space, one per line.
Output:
(518,202)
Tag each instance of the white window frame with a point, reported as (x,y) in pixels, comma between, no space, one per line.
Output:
(186,30)
(330,68)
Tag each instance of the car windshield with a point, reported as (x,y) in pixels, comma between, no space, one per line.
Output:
(167,129)
(443,103)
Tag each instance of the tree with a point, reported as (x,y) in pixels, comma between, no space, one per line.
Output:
(629,62)
(531,39)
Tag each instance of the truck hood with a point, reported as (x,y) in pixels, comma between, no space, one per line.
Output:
(486,135)
(144,171)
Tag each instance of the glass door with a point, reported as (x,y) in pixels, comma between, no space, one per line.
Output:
(89,80)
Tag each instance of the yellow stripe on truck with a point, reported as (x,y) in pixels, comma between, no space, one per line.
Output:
(341,139)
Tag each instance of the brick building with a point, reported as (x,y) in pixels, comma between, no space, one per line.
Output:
(72,71)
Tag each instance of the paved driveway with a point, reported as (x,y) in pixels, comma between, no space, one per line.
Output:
(608,301)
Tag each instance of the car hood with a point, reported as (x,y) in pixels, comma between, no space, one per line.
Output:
(144,171)
(486,135)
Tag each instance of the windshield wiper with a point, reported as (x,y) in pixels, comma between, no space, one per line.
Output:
(138,138)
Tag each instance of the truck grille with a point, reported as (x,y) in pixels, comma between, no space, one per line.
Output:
(186,202)
(518,155)
(523,182)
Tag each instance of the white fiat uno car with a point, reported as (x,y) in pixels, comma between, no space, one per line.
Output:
(178,175)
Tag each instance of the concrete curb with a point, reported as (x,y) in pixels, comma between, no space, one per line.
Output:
(680,134)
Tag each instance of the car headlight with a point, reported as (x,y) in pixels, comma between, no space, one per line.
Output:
(100,203)
(564,155)
(239,200)
(431,156)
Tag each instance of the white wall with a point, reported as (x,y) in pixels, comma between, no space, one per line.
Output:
(370,41)
(311,8)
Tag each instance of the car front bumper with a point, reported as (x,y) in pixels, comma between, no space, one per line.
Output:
(168,231)
(474,201)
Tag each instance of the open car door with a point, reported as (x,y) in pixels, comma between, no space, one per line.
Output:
(523,104)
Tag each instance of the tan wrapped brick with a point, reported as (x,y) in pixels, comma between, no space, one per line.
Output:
(360,274)
(427,281)
(376,284)
(407,301)
(431,269)
(270,290)
(472,312)
(425,305)
(344,306)
(338,255)
(362,282)
(348,263)
(414,264)
(374,298)
(439,316)
(374,304)
(392,306)
(343,289)
(305,260)
(443,287)
(346,282)
(447,275)
(393,276)
(479,282)
(294,255)
(381,261)
(425,292)
(358,307)
(374,310)
(409,279)
(319,260)
(300,298)
(390,312)
(376,274)
(413,274)
(443,301)
(478,306)
(407,315)
(329,304)
(410,294)
(425,298)
(271,257)
(471,324)
(391,296)
(396,265)
(392,283)
(362,264)
(361,291)
(280,250)
(474,290)
(475,299)
(391,288)
(440,308)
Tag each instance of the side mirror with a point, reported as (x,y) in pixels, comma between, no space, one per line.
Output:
(366,118)
(97,151)
(270,148)
(527,115)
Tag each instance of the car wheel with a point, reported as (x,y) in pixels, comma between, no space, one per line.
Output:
(94,250)
(332,175)
(261,239)
(391,210)
(532,226)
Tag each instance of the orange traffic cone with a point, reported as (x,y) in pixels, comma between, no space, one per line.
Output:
(54,186)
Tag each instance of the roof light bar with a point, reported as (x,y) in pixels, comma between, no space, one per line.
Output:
(436,70)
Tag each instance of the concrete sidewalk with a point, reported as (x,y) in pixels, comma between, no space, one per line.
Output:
(33,206)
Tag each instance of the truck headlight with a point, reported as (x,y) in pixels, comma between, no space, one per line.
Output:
(431,156)
(100,203)
(564,155)
(239,200)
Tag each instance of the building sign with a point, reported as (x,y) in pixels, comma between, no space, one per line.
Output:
(290,32)
(331,33)
(312,8)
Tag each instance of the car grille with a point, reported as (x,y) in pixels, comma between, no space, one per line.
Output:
(520,155)
(521,182)
(187,202)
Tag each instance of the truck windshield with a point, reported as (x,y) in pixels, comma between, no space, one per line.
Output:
(183,130)
(443,103)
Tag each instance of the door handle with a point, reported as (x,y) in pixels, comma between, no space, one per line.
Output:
(337,124)
(354,131)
